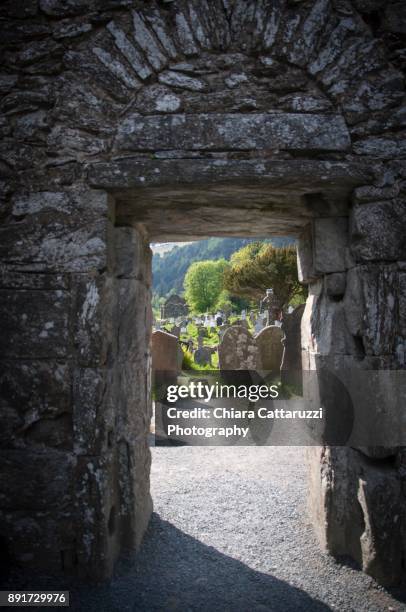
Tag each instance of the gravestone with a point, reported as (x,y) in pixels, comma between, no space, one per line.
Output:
(291,369)
(167,357)
(238,350)
(202,355)
(269,342)
(202,332)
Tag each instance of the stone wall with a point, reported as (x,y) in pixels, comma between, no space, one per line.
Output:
(124,121)
(75,404)
(354,320)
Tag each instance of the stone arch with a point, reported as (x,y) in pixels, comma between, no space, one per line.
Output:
(111,108)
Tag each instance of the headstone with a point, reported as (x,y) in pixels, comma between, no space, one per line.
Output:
(167,356)
(291,370)
(238,350)
(269,342)
(202,355)
(202,332)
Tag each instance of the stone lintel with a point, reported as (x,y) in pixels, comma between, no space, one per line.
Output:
(234,131)
(295,174)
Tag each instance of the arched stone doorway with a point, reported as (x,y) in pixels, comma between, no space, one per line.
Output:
(141,121)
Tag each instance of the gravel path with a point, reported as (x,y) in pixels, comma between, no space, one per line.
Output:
(230,533)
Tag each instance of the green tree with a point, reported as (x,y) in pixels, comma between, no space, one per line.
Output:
(260,266)
(204,284)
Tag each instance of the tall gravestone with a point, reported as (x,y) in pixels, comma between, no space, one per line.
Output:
(269,342)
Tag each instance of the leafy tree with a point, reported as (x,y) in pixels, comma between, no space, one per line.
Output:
(204,284)
(224,303)
(259,266)
(169,268)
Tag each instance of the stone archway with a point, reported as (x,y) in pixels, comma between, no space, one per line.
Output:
(121,118)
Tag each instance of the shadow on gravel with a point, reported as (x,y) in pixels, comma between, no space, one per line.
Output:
(174,571)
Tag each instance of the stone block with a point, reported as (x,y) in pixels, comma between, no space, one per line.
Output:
(134,313)
(12,278)
(306,272)
(330,245)
(93,300)
(370,193)
(92,417)
(402,304)
(233,131)
(132,254)
(377,231)
(356,506)
(35,324)
(36,480)
(58,231)
(35,404)
(335,284)
(370,305)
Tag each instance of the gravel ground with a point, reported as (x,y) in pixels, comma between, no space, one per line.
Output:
(230,533)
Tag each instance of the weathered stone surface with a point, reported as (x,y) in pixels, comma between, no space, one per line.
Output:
(377,231)
(238,350)
(234,131)
(381,146)
(291,366)
(35,404)
(370,306)
(350,505)
(133,56)
(313,174)
(46,483)
(335,284)
(330,245)
(92,304)
(35,324)
(146,40)
(90,413)
(181,81)
(269,343)
(305,268)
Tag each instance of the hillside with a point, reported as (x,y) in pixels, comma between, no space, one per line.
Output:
(169,268)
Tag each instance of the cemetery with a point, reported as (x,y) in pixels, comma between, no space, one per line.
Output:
(130,123)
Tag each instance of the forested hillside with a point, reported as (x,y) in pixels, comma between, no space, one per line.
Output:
(170,268)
